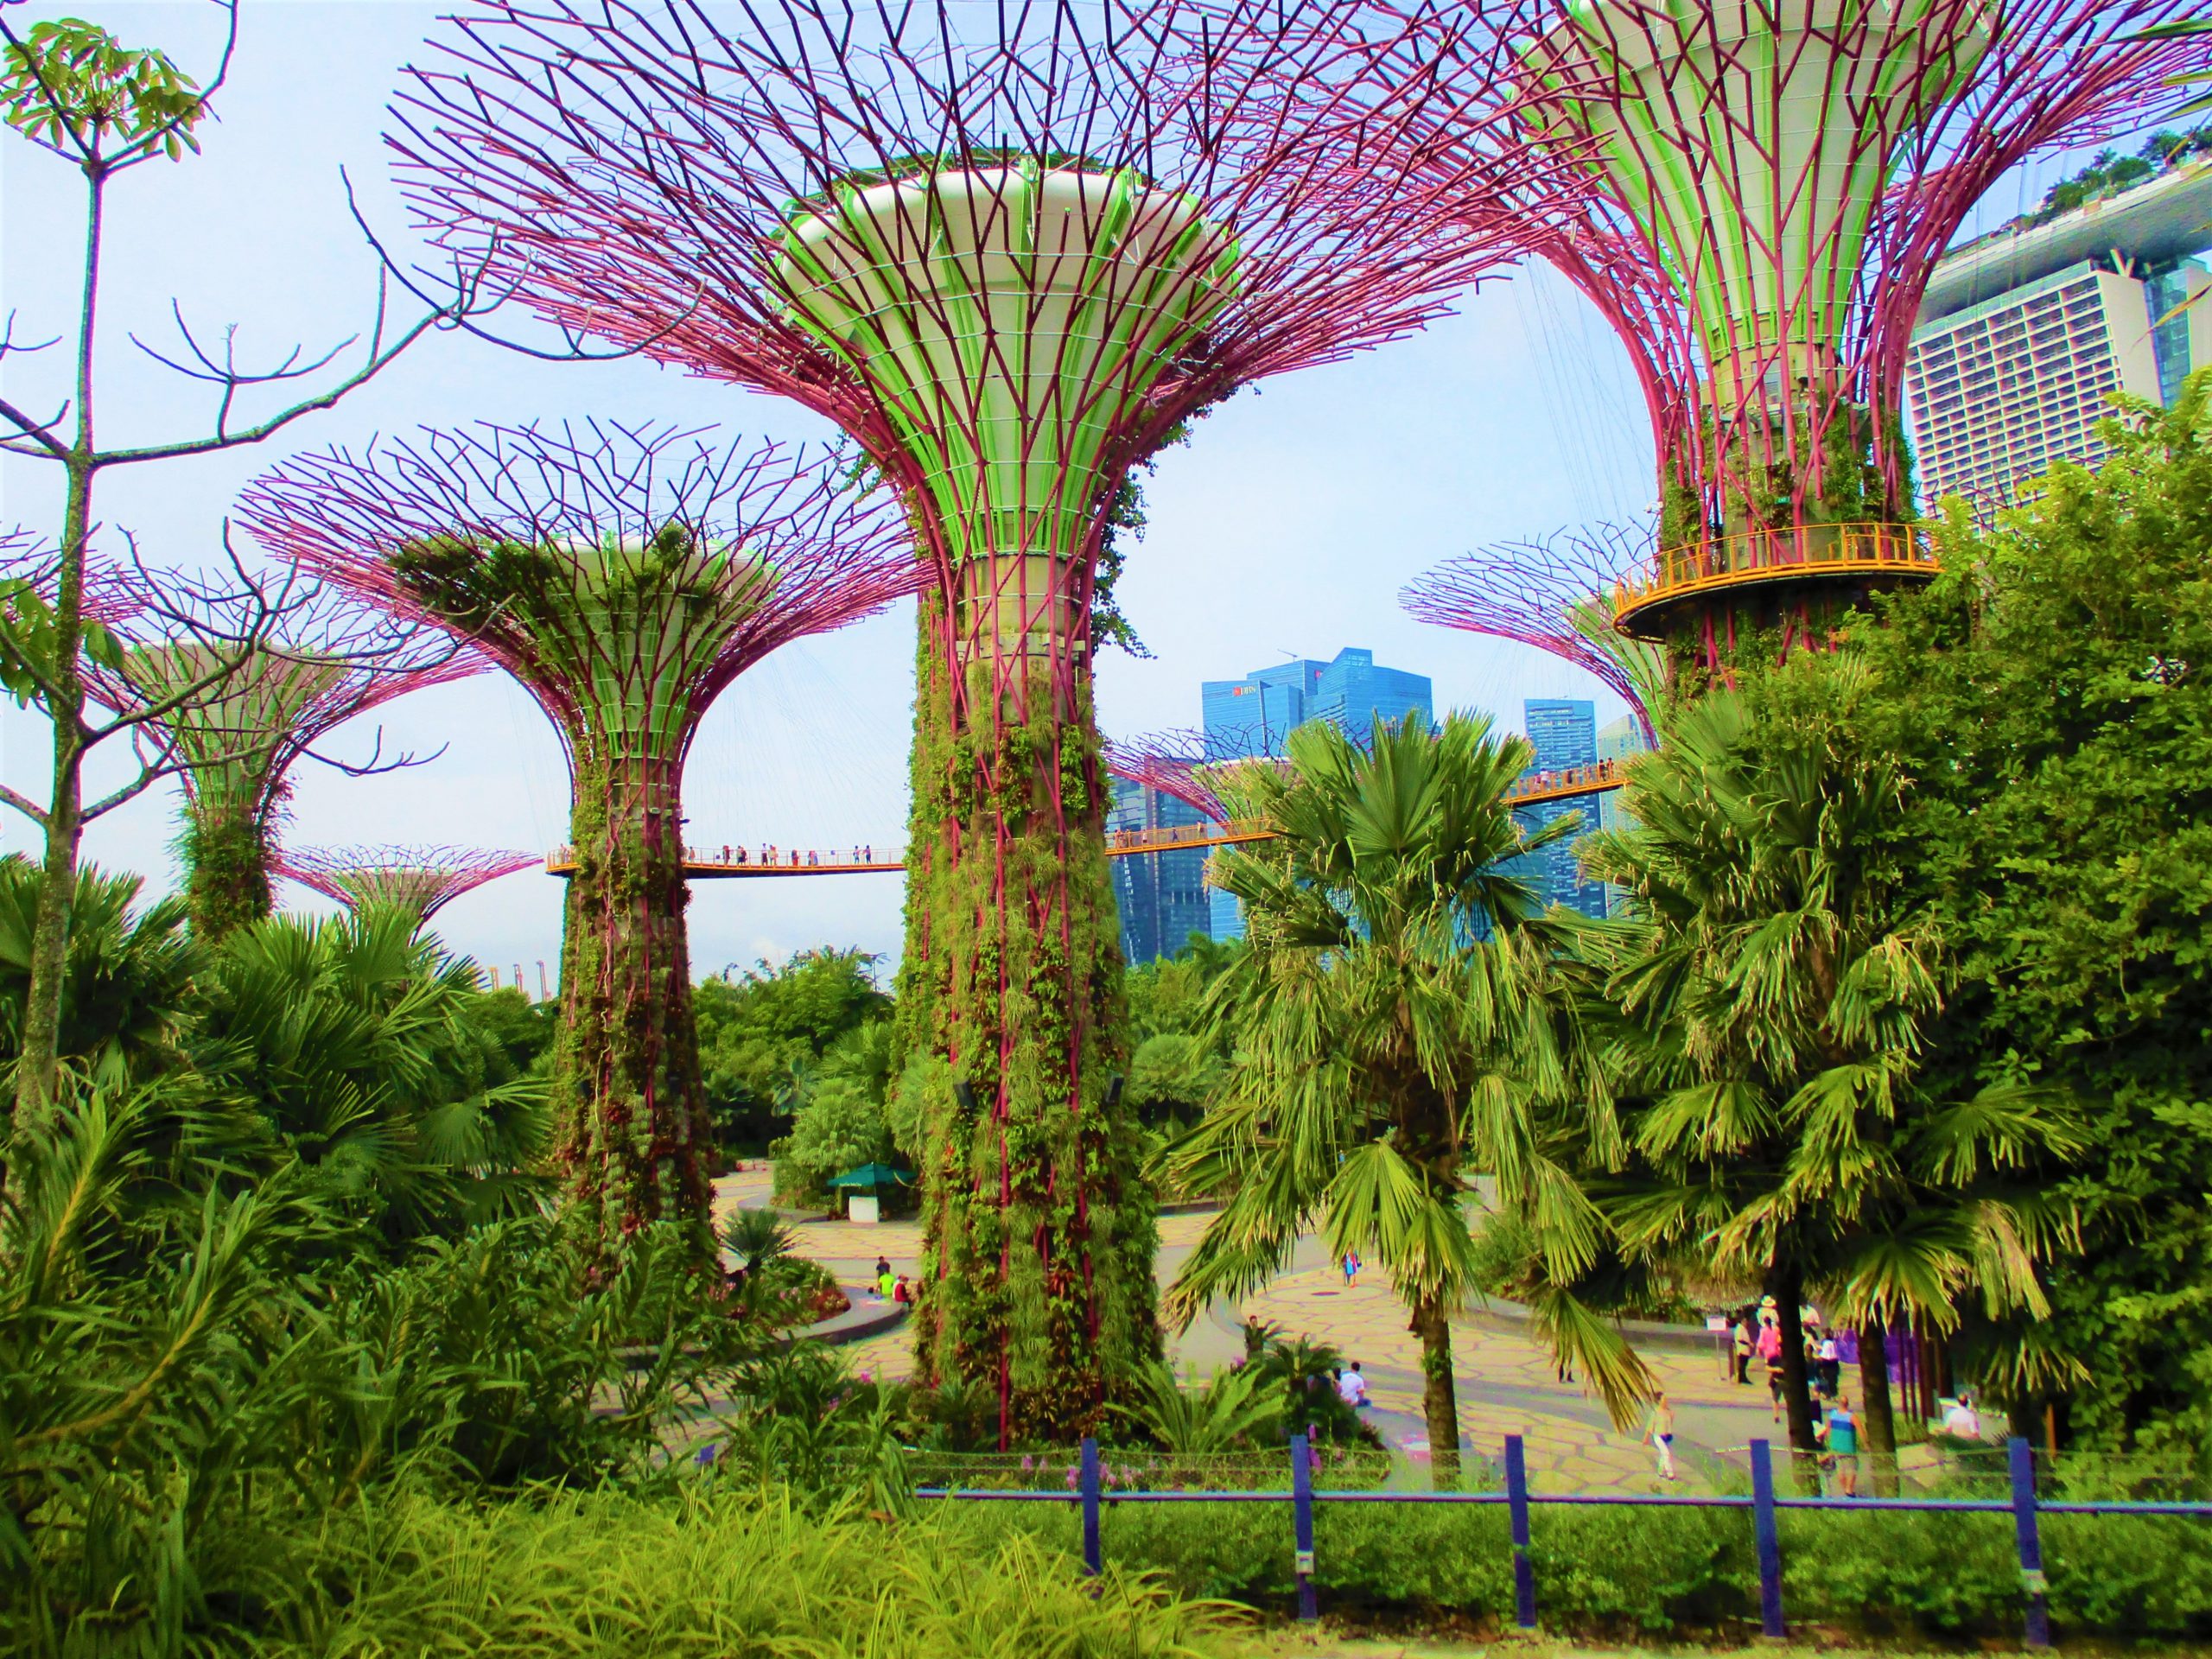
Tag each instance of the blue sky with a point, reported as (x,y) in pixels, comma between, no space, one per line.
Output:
(1286,527)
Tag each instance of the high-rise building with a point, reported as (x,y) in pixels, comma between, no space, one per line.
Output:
(1618,741)
(2024,332)
(1252,716)
(1162,896)
(1564,733)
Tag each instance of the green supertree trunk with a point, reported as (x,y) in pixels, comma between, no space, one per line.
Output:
(1038,1231)
(628,1098)
(226,844)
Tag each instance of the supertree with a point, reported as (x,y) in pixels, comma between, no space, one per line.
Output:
(1776,181)
(241,680)
(1010,266)
(421,881)
(624,578)
(1191,766)
(1557,595)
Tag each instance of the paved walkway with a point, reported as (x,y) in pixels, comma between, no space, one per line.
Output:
(1506,1383)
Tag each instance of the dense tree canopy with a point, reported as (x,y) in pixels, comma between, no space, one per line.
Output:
(2050,696)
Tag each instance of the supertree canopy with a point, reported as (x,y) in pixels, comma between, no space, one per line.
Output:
(421,881)
(1556,594)
(1011,265)
(1777,179)
(237,712)
(624,578)
(1194,767)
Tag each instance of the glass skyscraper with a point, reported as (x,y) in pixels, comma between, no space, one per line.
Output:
(1162,896)
(1564,731)
(1251,716)
(1617,741)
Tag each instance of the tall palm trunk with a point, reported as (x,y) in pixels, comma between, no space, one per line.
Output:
(1874,1404)
(1786,1284)
(1440,1400)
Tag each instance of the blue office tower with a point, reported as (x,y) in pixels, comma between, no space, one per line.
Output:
(1564,731)
(1162,896)
(1251,717)
(1353,691)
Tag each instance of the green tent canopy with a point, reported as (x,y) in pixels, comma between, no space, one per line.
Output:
(874,1175)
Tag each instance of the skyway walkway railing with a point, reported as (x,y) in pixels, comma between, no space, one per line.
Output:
(1088,1492)
(772,859)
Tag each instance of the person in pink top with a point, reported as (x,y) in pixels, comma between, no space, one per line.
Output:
(1769,1350)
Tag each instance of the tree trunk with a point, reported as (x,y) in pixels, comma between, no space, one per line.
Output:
(227,856)
(1440,1400)
(1787,1285)
(630,1105)
(37,1063)
(1875,1407)
(1039,1229)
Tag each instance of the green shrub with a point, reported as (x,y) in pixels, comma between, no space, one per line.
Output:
(733,1573)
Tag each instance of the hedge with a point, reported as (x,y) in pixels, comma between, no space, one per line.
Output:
(1660,1570)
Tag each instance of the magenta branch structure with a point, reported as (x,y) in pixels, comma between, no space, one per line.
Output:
(240,688)
(624,577)
(1556,594)
(1010,250)
(417,880)
(1774,183)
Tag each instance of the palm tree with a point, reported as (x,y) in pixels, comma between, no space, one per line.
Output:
(127,981)
(352,1037)
(1772,986)
(1235,1410)
(1394,974)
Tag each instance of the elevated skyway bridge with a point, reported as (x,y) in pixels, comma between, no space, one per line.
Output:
(772,860)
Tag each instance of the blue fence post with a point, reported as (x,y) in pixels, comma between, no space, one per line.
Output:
(2032,1582)
(1517,1504)
(1093,1561)
(1301,1511)
(1770,1542)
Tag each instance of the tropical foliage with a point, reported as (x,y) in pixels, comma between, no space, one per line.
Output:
(2048,697)
(1396,986)
(1768,996)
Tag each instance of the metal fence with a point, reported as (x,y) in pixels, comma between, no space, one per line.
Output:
(1092,1484)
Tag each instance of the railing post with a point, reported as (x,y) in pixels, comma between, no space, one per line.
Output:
(1517,1504)
(1093,1561)
(1301,1511)
(2038,1588)
(1770,1542)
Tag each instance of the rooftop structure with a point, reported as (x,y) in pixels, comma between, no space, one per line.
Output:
(1009,262)
(2025,334)
(624,578)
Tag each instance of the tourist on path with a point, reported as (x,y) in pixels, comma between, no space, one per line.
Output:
(1660,1431)
(1839,1431)
(1351,1264)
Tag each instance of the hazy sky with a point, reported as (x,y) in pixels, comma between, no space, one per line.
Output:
(1286,527)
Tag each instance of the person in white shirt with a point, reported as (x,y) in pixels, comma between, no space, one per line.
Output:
(1962,1420)
(1351,1387)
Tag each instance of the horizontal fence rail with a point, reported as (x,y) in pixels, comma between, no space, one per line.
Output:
(1087,1489)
